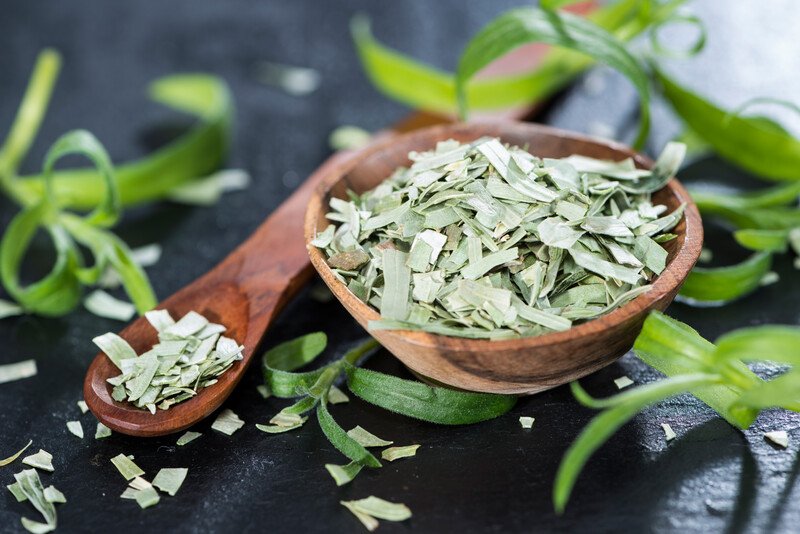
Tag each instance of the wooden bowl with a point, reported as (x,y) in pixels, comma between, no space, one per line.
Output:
(515,366)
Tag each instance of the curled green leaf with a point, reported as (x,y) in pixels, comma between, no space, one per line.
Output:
(428,403)
(110,250)
(530,25)
(297,352)
(420,86)
(685,19)
(60,290)
(81,142)
(197,153)
(281,360)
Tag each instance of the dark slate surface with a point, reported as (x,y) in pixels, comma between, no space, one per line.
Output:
(492,477)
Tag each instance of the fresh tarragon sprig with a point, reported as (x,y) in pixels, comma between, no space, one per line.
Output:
(313,390)
(715,373)
(102,190)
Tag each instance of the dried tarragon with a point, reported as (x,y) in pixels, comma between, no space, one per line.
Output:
(191,354)
(483,240)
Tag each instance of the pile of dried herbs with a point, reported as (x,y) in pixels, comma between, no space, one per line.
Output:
(483,240)
(191,354)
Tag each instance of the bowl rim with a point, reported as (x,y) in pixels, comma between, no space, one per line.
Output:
(667,282)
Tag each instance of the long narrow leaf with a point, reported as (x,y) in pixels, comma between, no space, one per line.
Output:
(530,25)
(108,249)
(420,86)
(770,197)
(674,348)
(297,352)
(763,240)
(428,403)
(197,153)
(29,116)
(339,438)
(635,395)
(773,343)
(607,423)
(748,142)
(781,392)
(83,143)
(719,285)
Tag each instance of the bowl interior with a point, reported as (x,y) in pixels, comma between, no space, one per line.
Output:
(376,162)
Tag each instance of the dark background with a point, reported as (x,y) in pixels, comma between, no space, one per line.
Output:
(493,477)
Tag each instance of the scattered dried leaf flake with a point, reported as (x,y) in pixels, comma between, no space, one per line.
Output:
(623,382)
(41,460)
(126,467)
(170,479)
(669,434)
(391,454)
(526,422)
(227,422)
(778,437)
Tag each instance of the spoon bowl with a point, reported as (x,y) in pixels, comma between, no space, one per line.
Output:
(514,366)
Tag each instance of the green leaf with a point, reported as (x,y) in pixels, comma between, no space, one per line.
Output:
(770,197)
(421,86)
(279,361)
(719,285)
(763,240)
(773,343)
(781,392)
(428,403)
(29,117)
(59,291)
(675,348)
(604,425)
(767,209)
(108,249)
(635,395)
(197,153)
(555,4)
(339,438)
(530,25)
(296,353)
(344,474)
(679,18)
(748,142)
(84,143)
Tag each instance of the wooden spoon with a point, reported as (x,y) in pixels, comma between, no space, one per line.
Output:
(244,292)
(248,289)
(516,366)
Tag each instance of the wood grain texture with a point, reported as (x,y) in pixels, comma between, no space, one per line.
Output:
(517,366)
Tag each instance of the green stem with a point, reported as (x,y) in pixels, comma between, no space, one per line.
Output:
(358,352)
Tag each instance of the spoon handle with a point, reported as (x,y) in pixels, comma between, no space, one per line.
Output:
(272,265)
